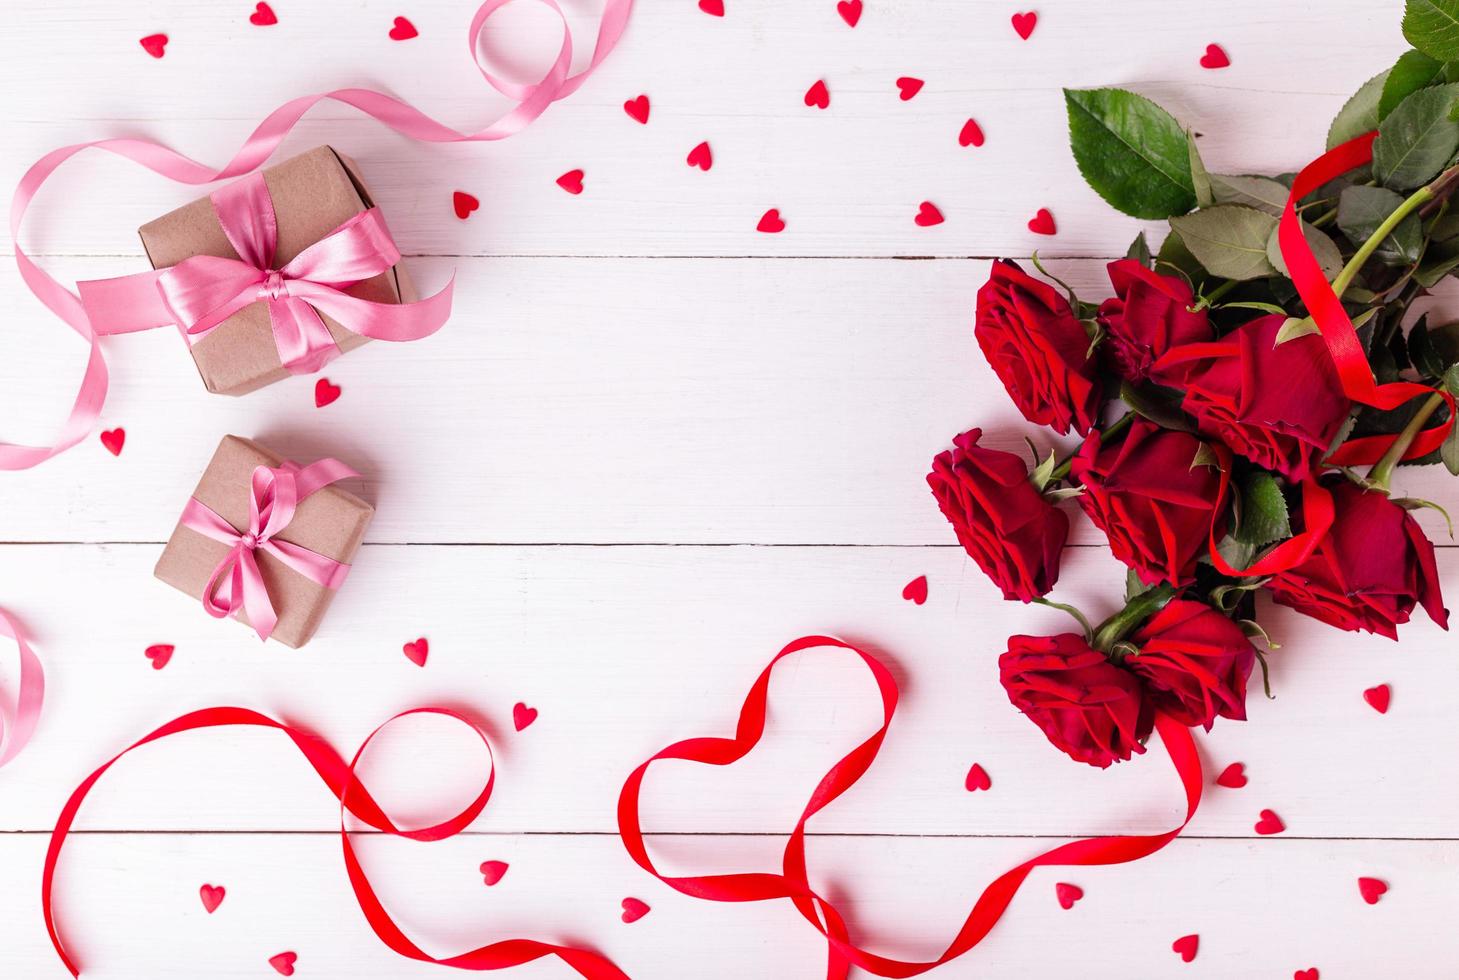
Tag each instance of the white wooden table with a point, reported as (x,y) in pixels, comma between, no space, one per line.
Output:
(653,446)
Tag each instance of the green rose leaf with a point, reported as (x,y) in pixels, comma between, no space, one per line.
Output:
(1131,151)
(1263,511)
(1417,139)
(1359,114)
(1324,249)
(1200,179)
(1414,70)
(1261,193)
(1432,26)
(1228,240)
(1139,250)
(1440,259)
(1360,210)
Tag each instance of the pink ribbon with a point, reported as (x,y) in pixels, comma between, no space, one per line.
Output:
(400,116)
(18,725)
(275,493)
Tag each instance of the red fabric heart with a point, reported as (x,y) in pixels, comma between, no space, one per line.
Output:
(1305,974)
(1214,57)
(492,871)
(1025,23)
(971,135)
(850,11)
(1233,776)
(1186,946)
(522,716)
(284,963)
(212,896)
(159,654)
(637,109)
(771,223)
(1371,889)
(464,204)
(701,157)
(916,590)
(1378,697)
(1042,223)
(928,215)
(1068,894)
(633,910)
(263,15)
(154,44)
(572,182)
(909,86)
(818,96)
(416,651)
(1270,823)
(403,30)
(114,439)
(977,779)
(325,393)
(714,8)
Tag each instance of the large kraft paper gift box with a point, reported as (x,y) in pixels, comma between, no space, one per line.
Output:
(313,194)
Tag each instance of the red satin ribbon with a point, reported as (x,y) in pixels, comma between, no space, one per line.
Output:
(793,882)
(354,798)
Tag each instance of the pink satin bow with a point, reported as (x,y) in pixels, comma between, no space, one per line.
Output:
(275,493)
(17,726)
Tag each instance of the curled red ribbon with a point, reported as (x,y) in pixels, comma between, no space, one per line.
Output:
(340,777)
(793,884)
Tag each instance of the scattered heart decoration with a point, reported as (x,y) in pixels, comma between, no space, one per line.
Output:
(977,779)
(522,716)
(1042,223)
(154,44)
(850,11)
(637,109)
(263,16)
(463,204)
(572,182)
(1378,698)
(771,223)
(714,8)
(928,215)
(417,650)
(1269,823)
(1186,946)
(159,654)
(1215,57)
(633,910)
(1024,23)
(971,134)
(114,439)
(1372,889)
(1233,776)
(492,871)
(1067,894)
(907,87)
(916,590)
(403,30)
(325,393)
(818,96)
(700,157)
(212,896)
(1305,974)
(283,963)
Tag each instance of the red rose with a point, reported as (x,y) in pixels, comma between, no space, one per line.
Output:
(1008,527)
(1194,662)
(1089,708)
(1148,315)
(1280,407)
(1151,498)
(1038,349)
(1370,570)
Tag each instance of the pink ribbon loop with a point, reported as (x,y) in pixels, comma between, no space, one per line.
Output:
(17,724)
(274,495)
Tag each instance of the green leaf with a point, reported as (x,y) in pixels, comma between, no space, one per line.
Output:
(1440,259)
(1200,179)
(1324,249)
(1359,114)
(1432,26)
(1414,70)
(1139,250)
(1042,476)
(1261,193)
(1237,554)
(1417,139)
(1175,258)
(1131,151)
(1361,210)
(1229,240)
(1421,351)
(1263,511)
(1134,585)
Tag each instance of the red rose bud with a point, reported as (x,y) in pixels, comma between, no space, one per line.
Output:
(1153,499)
(1194,662)
(1371,569)
(1148,315)
(1010,529)
(1279,406)
(1038,349)
(1090,709)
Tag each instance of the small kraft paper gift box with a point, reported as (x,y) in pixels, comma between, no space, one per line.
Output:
(266,540)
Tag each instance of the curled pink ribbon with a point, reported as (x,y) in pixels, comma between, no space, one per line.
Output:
(274,494)
(18,725)
(400,116)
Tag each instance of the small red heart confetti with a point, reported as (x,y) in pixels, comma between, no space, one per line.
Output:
(1378,697)
(701,157)
(909,86)
(1186,946)
(818,96)
(464,204)
(1305,974)
(714,8)
(637,109)
(850,11)
(572,182)
(114,439)
(212,896)
(522,716)
(1068,894)
(1233,776)
(154,44)
(977,779)
(263,16)
(1270,823)
(1042,223)
(1025,23)
(928,215)
(284,963)
(416,651)
(916,590)
(325,393)
(771,223)
(971,134)
(403,30)
(159,654)
(633,909)
(1371,889)
(492,871)
(1215,57)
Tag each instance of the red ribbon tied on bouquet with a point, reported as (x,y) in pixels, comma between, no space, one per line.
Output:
(201,292)
(354,798)
(793,882)
(17,725)
(274,495)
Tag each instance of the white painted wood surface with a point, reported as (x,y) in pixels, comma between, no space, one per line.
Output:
(652,447)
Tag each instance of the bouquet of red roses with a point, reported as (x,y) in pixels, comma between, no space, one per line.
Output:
(1244,398)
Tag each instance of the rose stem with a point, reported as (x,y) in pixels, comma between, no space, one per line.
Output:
(1115,428)
(1136,611)
(1382,472)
